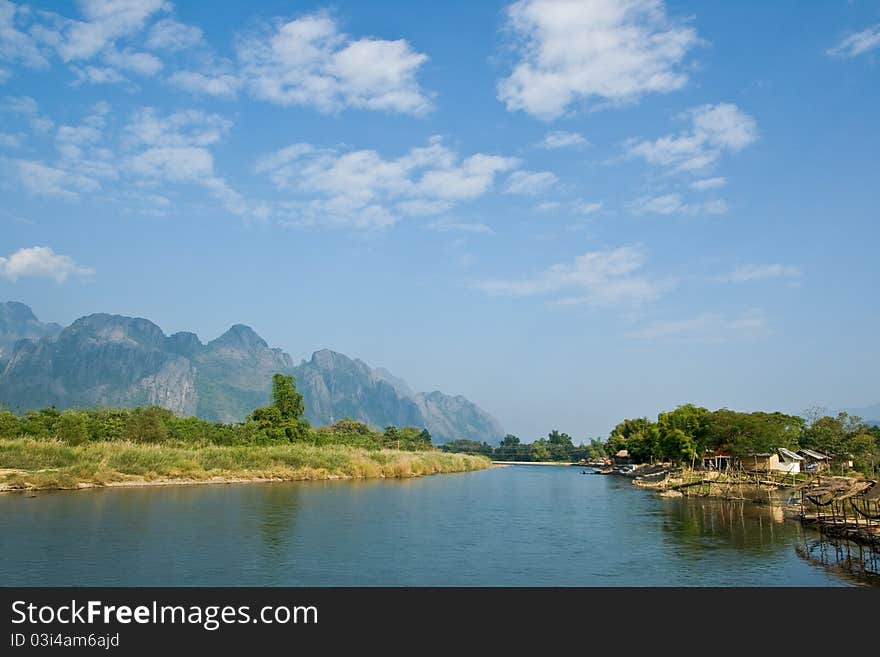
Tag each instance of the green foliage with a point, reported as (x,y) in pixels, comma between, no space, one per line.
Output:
(10,425)
(464,446)
(73,427)
(845,438)
(407,438)
(148,425)
(285,397)
(282,422)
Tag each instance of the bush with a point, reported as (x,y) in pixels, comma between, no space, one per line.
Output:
(73,427)
(10,425)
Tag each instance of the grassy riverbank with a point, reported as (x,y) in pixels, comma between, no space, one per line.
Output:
(29,464)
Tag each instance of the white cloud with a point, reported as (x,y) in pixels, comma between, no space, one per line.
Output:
(10,140)
(363,189)
(40,262)
(594,51)
(20,105)
(586,207)
(548,206)
(530,183)
(96,75)
(706,328)
(714,130)
(173,163)
(40,179)
(563,139)
(142,63)
(708,183)
(578,206)
(174,148)
(308,61)
(754,272)
(184,128)
(105,22)
(858,43)
(598,278)
(168,34)
(18,45)
(223,85)
(445,226)
(674,204)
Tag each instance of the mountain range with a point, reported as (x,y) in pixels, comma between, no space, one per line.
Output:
(112,360)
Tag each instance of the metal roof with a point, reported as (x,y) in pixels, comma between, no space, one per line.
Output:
(818,456)
(787,453)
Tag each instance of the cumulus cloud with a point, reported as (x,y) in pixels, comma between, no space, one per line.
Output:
(757,272)
(597,278)
(675,204)
(595,51)
(105,22)
(17,44)
(169,34)
(174,149)
(530,183)
(363,189)
(308,61)
(857,44)
(714,130)
(750,325)
(40,179)
(40,262)
(708,183)
(562,139)
(577,207)
(142,63)
(222,85)
(446,226)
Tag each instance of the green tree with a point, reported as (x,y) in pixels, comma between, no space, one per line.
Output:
(678,446)
(73,427)
(285,397)
(148,425)
(10,425)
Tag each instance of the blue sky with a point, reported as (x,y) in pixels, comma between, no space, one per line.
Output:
(569,212)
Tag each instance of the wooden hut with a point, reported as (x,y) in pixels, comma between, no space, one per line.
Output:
(622,458)
(815,461)
(782,460)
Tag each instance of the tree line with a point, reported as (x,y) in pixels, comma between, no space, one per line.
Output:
(688,432)
(280,421)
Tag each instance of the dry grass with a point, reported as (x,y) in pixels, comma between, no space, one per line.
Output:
(44,464)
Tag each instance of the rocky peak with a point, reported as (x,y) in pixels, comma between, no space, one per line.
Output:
(185,343)
(14,312)
(239,337)
(18,322)
(116,328)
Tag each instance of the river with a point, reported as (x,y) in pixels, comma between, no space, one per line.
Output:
(520,525)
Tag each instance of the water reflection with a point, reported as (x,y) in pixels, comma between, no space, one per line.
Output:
(731,524)
(845,559)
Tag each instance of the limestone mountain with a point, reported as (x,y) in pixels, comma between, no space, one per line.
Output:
(18,322)
(112,360)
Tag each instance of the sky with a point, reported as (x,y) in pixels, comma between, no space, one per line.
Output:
(569,212)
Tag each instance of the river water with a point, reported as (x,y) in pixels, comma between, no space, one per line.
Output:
(520,525)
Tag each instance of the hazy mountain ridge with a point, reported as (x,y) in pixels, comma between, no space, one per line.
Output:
(18,322)
(112,360)
(870,414)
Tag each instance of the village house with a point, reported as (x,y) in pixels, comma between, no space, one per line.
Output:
(815,461)
(782,460)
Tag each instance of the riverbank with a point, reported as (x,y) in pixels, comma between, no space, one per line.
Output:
(28,464)
(532,463)
(734,485)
